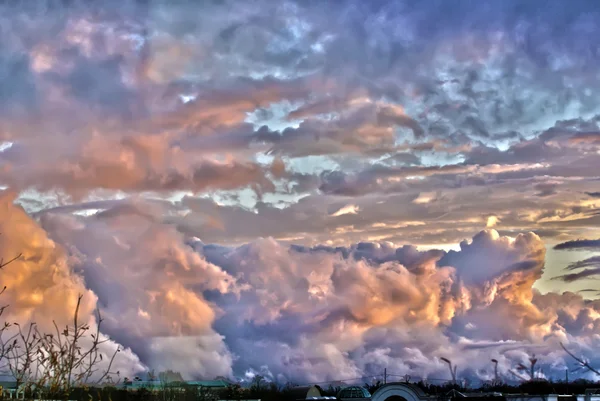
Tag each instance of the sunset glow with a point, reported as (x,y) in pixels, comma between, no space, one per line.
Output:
(306,190)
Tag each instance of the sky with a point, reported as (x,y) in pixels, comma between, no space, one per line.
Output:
(306,190)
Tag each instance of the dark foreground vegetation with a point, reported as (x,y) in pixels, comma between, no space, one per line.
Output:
(273,392)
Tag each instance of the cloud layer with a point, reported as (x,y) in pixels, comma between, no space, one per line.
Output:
(228,182)
(294,313)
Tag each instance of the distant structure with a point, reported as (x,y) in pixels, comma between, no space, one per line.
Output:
(353,393)
(401,392)
(9,390)
(411,392)
(157,384)
(308,393)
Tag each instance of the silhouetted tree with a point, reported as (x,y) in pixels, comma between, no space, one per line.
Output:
(257,383)
(170,376)
(233,392)
(373,387)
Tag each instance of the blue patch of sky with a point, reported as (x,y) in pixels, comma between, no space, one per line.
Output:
(245,198)
(282,200)
(297,28)
(312,164)
(87,212)
(5,146)
(277,120)
(556,261)
(428,158)
(275,116)
(34,201)
(178,196)
(432,158)
(186,98)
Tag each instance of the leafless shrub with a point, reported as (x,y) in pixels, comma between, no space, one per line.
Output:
(5,348)
(53,363)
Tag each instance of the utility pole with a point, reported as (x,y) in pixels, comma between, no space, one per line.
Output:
(533,360)
(385,376)
(452,369)
(496,381)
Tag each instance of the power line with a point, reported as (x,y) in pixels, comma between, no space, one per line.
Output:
(342,380)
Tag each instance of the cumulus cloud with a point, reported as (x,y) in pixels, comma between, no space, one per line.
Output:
(304,313)
(325,310)
(492,221)
(42,286)
(150,286)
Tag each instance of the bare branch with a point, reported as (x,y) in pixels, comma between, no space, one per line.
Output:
(582,363)
(518,376)
(57,362)
(2,263)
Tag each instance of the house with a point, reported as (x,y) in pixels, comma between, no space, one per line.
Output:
(210,384)
(8,389)
(307,393)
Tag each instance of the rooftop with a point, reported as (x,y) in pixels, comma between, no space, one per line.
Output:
(353,392)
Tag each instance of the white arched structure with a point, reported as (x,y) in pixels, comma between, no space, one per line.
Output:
(409,392)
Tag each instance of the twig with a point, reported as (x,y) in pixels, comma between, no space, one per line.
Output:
(2,263)
(583,363)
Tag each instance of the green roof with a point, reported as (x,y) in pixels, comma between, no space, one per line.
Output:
(144,384)
(353,392)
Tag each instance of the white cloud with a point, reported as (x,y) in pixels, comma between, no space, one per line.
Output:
(348,209)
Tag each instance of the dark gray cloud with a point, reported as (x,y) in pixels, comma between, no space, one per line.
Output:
(546,188)
(590,265)
(589,262)
(96,83)
(579,244)
(584,274)
(18,91)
